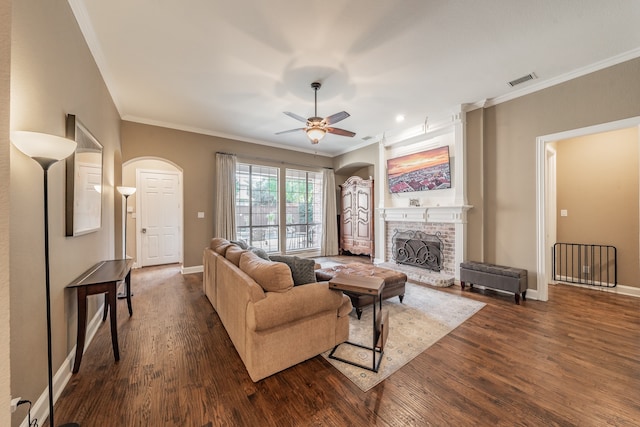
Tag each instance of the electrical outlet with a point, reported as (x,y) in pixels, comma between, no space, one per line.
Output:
(14,404)
(585,269)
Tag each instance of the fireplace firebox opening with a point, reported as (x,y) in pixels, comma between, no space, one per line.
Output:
(412,247)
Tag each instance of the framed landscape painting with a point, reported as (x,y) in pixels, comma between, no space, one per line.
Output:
(422,171)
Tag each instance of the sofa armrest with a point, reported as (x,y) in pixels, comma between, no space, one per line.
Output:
(279,308)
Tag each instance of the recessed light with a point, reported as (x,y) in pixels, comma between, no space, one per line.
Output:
(400,118)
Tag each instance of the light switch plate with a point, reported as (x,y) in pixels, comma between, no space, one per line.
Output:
(563,212)
(200,214)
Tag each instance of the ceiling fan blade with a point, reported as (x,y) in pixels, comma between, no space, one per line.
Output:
(289,131)
(295,116)
(335,118)
(342,132)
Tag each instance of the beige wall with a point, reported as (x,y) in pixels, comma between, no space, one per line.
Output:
(357,161)
(474,184)
(5,66)
(597,183)
(510,130)
(195,155)
(52,74)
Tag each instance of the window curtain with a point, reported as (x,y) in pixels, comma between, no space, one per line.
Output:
(225,225)
(329,242)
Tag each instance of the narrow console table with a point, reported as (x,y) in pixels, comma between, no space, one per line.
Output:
(99,279)
(372,286)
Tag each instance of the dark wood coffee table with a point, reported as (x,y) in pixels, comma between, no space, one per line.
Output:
(371,286)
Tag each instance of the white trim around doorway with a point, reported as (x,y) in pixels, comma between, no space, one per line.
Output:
(544,273)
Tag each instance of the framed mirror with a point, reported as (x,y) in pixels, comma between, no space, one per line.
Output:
(84,181)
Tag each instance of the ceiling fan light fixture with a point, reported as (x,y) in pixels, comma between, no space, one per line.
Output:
(315,133)
(317,127)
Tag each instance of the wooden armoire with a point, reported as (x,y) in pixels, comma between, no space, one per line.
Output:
(356,216)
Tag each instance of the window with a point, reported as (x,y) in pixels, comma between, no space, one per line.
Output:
(259,195)
(303,194)
(257,210)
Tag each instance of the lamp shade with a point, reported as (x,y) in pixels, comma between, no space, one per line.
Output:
(315,134)
(126,191)
(43,146)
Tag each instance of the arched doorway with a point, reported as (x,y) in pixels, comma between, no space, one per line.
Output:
(155,212)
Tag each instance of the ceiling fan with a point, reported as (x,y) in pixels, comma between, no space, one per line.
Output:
(317,127)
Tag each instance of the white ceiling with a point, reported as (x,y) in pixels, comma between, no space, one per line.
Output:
(230,68)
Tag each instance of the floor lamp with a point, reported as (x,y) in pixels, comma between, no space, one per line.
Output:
(126,192)
(46,150)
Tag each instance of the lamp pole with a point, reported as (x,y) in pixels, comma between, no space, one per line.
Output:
(126,220)
(126,192)
(47,282)
(46,150)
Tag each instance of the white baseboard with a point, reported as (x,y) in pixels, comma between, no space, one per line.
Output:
(619,289)
(191,270)
(532,294)
(40,408)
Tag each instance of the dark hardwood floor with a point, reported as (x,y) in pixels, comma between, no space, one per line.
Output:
(572,361)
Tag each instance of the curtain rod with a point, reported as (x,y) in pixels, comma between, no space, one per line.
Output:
(264,159)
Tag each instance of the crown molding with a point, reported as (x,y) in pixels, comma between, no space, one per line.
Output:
(597,66)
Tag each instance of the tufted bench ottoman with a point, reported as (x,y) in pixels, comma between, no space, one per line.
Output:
(494,276)
(394,281)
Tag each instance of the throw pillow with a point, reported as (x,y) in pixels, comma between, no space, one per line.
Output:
(272,276)
(302,269)
(260,252)
(240,243)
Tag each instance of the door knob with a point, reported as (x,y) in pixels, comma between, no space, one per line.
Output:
(144,230)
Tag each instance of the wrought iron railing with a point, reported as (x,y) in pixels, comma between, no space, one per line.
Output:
(594,265)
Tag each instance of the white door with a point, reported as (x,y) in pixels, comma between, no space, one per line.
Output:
(160,221)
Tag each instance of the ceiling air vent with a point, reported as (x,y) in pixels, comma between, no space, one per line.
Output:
(522,79)
(366,138)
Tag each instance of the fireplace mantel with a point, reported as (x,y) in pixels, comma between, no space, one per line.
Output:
(442,214)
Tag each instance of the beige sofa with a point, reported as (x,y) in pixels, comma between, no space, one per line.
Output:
(272,324)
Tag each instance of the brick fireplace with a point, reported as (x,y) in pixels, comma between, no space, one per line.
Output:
(447,222)
(442,212)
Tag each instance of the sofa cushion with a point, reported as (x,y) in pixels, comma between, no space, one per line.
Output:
(302,269)
(307,301)
(217,241)
(233,254)
(220,245)
(272,276)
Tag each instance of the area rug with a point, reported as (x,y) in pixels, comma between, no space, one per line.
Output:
(425,316)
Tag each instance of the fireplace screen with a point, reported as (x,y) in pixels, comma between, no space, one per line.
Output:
(418,249)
